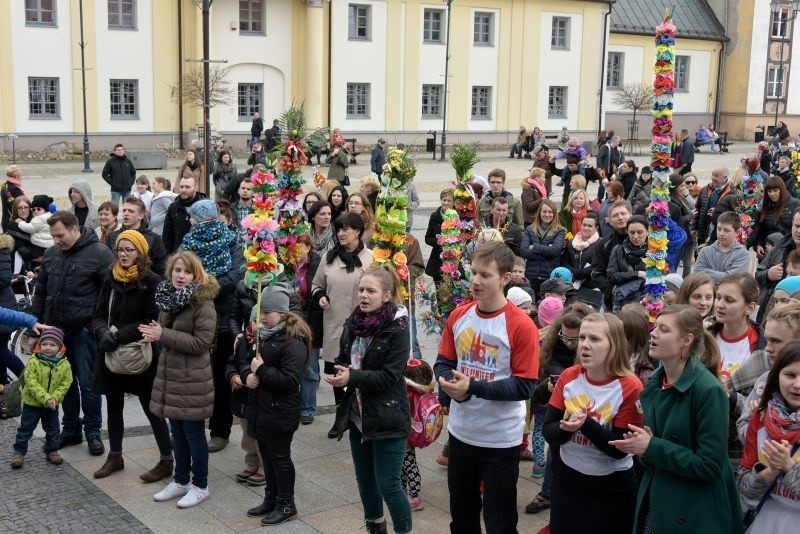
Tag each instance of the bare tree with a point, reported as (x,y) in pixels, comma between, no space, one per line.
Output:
(220,91)
(635,97)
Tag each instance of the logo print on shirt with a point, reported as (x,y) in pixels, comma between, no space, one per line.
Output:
(477,355)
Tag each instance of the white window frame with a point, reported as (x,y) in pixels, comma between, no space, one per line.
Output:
(481,108)
(615,70)
(358,97)
(39,88)
(124,94)
(249,20)
(556,110)
(35,7)
(775,77)
(559,35)
(432,101)
(779,29)
(249,100)
(682,72)
(483,28)
(115,10)
(432,28)
(356,13)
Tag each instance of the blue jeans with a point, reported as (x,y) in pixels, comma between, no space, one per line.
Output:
(378,464)
(81,351)
(253,139)
(118,196)
(28,420)
(309,382)
(191,452)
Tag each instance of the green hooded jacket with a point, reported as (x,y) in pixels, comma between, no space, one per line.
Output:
(45,379)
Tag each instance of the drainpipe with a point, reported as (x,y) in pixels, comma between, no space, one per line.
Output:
(606,18)
(330,58)
(721,71)
(180,75)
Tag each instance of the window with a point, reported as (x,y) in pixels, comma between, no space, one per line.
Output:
(557,102)
(682,73)
(483,29)
(43,98)
(358,23)
(780,23)
(40,12)
(251,15)
(122,14)
(432,25)
(775,82)
(124,99)
(357,100)
(616,62)
(481,103)
(560,35)
(250,96)
(432,101)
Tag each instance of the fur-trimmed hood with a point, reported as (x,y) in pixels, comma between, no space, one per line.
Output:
(421,388)
(203,292)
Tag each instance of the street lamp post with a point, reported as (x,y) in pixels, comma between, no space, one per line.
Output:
(82,44)
(446,76)
(775,7)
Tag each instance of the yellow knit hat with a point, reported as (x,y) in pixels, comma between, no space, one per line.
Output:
(137,239)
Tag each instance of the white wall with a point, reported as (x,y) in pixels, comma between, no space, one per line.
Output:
(632,69)
(49,46)
(793,103)
(756,81)
(431,69)
(483,70)
(560,68)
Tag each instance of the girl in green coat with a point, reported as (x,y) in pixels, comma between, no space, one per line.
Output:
(688,485)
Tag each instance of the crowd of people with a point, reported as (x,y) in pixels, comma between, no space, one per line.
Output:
(684,425)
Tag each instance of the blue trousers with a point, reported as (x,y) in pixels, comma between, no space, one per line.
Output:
(309,383)
(29,418)
(191,452)
(81,351)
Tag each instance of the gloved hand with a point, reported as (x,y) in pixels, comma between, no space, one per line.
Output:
(108,342)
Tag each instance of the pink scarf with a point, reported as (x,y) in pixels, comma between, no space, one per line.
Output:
(539,187)
(579,244)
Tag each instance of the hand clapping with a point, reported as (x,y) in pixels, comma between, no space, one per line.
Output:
(575,421)
(635,442)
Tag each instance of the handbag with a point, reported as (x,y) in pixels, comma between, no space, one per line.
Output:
(751,514)
(11,399)
(131,358)
(346,180)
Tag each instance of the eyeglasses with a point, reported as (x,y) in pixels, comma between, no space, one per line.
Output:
(690,182)
(567,339)
(125,251)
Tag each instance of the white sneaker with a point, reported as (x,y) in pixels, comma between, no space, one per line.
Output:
(194,497)
(172,491)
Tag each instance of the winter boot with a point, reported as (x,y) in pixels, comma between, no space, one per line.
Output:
(163,469)
(285,510)
(376,527)
(114,462)
(265,507)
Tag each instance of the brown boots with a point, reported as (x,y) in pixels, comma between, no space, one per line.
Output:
(114,462)
(163,469)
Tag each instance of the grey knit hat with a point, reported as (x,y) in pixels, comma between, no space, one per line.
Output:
(275,298)
(203,210)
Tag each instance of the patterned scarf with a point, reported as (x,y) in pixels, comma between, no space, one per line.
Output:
(371,324)
(325,242)
(171,300)
(779,422)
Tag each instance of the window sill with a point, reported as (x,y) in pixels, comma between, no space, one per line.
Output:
(556,116)
(44,117)
(681,90)
(244,33)
(124,118)
(123,28)
(359,39)
(426,41)
(357,118)
(483,45)
(480,118)
(615,88)
(41,25)
(559,48)
(430,117)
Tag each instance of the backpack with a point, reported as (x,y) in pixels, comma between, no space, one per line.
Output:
(11,400)
(426,421)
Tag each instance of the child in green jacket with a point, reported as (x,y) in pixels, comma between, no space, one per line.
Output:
(47,379)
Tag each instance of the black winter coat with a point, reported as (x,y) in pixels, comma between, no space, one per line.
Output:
(577,261)
(227,286)
(245,297)
(627,180)
(625,262)
(8,193)
(274,406)
(176,222)
(157,251)
(7,299)
(133,304)
(702,219)
(542,252)
(769,225)
(385,413)
(70,281)
(602,254)
(119,173)
(434,260)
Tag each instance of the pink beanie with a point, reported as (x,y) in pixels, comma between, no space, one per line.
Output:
(549,309)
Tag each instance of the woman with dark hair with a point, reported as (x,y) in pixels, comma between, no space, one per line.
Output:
(626,174)
(127,301)
(192,168)
(580,250)
(775,214)
(626,270)
(309,201)
(321,231)
(681,212)
(31,255)
(335,284)
(224,172)
(338,200)
(542,244)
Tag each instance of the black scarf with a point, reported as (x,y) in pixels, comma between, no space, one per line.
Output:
(350,259)
(633,254)
(192,164)
(171,300)
(372,324)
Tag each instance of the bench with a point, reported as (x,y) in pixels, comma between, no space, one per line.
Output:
(722,142)
(146,158)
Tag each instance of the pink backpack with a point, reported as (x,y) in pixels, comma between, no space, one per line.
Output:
(426,421)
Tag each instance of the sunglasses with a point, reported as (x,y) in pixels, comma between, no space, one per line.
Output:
(567,339)
(690,182)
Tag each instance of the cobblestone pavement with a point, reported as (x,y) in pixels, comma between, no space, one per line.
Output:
(42,497)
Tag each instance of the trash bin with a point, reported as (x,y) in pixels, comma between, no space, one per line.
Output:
(430,144)
(759,137)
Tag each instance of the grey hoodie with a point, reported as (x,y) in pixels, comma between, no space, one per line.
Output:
(158,210)
(718,264)
(83,187)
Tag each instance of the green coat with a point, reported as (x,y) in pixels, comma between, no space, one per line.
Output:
(688,484)
(44,381)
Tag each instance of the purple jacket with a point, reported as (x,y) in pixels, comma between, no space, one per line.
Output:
(579,152)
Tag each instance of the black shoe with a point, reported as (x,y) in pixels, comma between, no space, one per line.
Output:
(266,506)
(284,511)
(65,440)
(333,433)
(560,184)
(96,447)
(306,419)
(539,503)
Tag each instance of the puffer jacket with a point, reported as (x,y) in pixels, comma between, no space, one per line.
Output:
(385,413)
(119,173)
(542,252)
(45,380)
(39,230)
(69,282)
(274,406)
(184,387)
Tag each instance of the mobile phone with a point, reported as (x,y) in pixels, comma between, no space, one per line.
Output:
(554,379)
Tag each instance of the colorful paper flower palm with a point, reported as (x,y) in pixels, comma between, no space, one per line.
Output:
(749,197)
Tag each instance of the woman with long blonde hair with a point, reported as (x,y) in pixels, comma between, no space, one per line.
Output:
(542,243)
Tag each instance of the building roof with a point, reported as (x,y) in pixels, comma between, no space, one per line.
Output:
(694,18)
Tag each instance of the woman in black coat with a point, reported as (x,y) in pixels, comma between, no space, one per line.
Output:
(374,351)
(126,301)
(775,214)
(432,268)
(626,270)
(580,250)
(270,367)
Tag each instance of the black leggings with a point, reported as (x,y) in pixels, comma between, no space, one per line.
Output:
(222,417)
(276,454)
(116,424)
(338,393)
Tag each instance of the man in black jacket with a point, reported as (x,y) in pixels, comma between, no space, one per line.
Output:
(66,294)
(256,129)
(133,212)
(176,223)
(119,173)
(618,216)
(378,157)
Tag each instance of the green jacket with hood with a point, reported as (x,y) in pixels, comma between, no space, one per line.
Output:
(45,379)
